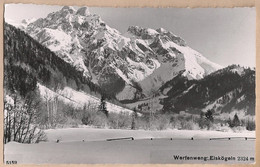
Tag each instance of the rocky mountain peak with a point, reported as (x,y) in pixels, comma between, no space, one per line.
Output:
(148,33)
(84,11)
(108,58)
(143,33)
(68,8)
(161,30)
(135,30)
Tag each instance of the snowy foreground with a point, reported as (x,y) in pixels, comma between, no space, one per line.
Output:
(89,145)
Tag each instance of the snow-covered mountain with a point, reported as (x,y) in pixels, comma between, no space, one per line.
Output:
(130,65)
(231,89)
(144,68)
(31,67)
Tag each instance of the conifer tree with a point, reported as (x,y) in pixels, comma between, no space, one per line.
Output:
(134,117)
(209,115)
(103,105)
(236,121)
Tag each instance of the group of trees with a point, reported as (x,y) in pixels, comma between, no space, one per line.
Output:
(25,116)
(100,117)
(20,119)
(26,63)
(236,122)
(207,120)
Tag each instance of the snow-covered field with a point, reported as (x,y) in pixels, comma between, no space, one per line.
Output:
(93,134)
(89,145)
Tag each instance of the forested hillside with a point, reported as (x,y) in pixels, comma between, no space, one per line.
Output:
(27,62)
(231,88)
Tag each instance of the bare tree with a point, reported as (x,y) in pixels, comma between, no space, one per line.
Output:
(51,102)
(20,119)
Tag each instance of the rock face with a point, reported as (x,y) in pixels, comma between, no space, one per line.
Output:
(83,11)
(141,60)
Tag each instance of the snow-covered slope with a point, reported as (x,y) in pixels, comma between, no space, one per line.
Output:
(79,99)
(118,61)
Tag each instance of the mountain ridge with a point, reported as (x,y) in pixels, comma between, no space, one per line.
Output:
(135,68)
(226,90)
(142,55)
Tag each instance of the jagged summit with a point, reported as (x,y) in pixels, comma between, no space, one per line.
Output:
(68,8)
(161,30)
(83,11)
(148,33)
(144,33)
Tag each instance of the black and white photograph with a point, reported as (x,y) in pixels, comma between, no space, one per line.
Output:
(105,85)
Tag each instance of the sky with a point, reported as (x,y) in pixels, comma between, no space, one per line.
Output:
(223,35)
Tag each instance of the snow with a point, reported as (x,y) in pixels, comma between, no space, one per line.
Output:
(79,99)
(152,31)
(186,91)
(239,70)
(159,76)
(161,30)
(166,90)
(100,35)
(21,24)
(9,100)
(145,43)
(81,66)
(127,93)
(240,113)
(112,38)
(122,42)
(146,71)
(196,65)
(79,19)
(93,134)
(125,152)
(154,103)
(133,46)
(129,35)
(213,104)
(121,74)
(70,44)
(47,93)
(217,104)
(95,149)
(241,98)
(58,35)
